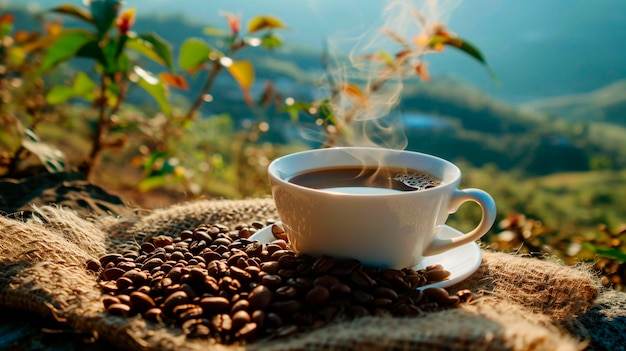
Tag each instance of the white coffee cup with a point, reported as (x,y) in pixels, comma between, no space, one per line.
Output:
(388,229)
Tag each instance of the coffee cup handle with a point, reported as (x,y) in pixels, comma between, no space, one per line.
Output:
(488,207)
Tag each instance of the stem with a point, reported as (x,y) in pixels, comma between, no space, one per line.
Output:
(208,84)
(101,130)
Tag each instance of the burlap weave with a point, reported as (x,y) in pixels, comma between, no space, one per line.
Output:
(522,303)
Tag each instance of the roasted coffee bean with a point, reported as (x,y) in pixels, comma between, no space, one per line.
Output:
(123,283)
(175,299)
(258,317)
(317,296)
(153,315)
(286,261)
(222,322)
(340,289)
(346,267)
(436,275)
(119,309)
(326,280)
(435,295)
(109,258)
(141,302)
(322,265)
(113,273)
(464,295)
(279,233)
(108,300)
(215,304)
(248,331)
(240,318)
(93,265)
(386,293)
(362,279)
(152,263)
(240,305)
(260,297)
(138,277)
(286,292)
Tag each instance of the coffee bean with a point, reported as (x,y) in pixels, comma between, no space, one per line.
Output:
(141,302)
(153,315)
(240,318)
(436,295)
(248,331)
(340,290)
(346,267)
(362,279)
(436,275)
(260,297)
(317,296)
(286,292)
(123,283)
(240,305)
(326,280)
(175,299)
(464,295)
(119,309)
(323,265)
(362,298)
(93,265)
(109,258)
(270,267)
(113,273)
(108,300)
(215,304)
(279,233)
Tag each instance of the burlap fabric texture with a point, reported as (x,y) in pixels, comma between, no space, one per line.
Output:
(520,303)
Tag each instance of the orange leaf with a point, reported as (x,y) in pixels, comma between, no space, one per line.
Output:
(234,22)
(422,71)
(243,72)
(125,21)
(7,18)
(175,80)
(354,92)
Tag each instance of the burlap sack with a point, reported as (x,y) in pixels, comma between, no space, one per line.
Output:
(521,304)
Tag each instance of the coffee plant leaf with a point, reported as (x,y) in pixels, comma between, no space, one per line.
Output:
(264,22)
(271,41)
(68,45)
(193,53)
(73,11)
(153,86)
(104,13)
(153,47)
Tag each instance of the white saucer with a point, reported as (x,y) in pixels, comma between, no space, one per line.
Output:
(461,262)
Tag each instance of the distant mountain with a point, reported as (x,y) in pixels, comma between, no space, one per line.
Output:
(607,104)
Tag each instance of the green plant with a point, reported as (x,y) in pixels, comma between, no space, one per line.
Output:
(109,50)
(22,103)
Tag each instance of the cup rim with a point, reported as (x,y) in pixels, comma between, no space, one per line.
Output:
(273,172)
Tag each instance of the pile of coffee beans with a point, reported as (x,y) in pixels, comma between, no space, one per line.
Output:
(213,282)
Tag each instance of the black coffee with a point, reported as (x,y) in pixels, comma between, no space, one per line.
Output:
(366,180)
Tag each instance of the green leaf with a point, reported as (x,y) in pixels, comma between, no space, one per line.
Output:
(83,87)
(264,22)
(214,32)
(104,13)
(193,53)
(467,48)
(93,51)
(153,47)
(271,41)
(66,47)
(616,254)
(50,157)
(153,182)
(73,11)
(153,86)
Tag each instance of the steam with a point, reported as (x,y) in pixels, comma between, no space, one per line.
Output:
(366,89)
